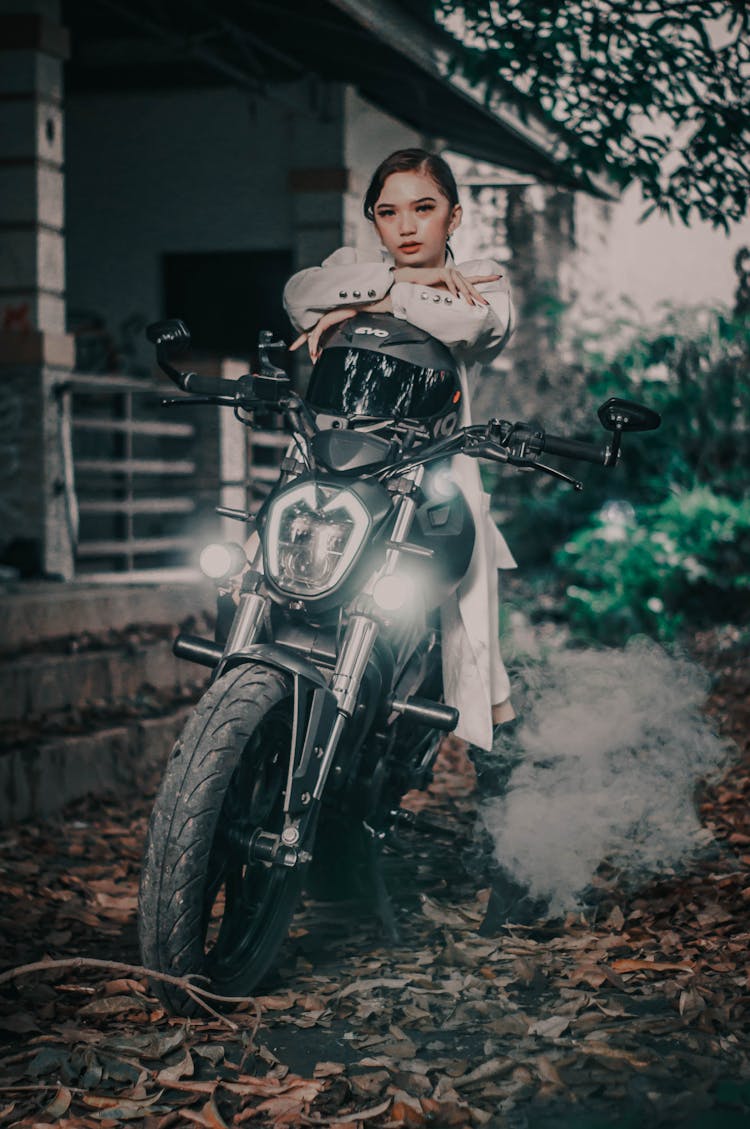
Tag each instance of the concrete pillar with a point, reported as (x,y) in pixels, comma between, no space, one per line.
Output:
(36,505)
(317,203)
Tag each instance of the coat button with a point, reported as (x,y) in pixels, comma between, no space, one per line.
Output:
(343,294)
(356,294)
(423,296)
(371,293)
(448,299)
(436,298)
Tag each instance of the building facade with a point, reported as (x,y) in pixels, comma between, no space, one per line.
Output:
(152,167)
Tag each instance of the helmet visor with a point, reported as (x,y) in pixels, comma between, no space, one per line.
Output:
(357,382)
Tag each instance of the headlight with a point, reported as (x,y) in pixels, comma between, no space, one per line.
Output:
(220,561)
(312,536)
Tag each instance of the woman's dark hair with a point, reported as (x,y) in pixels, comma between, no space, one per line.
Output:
(411,160)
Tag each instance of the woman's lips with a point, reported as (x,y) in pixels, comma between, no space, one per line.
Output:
(409,248)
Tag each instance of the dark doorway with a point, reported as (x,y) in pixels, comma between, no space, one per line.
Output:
(226,297)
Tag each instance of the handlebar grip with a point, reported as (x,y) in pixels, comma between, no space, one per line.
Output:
(573,449)
(209,385)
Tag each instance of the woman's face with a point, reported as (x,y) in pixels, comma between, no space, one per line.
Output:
(414,219)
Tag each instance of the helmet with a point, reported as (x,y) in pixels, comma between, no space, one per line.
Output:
(379,367)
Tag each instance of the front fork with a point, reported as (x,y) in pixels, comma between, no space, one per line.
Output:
(356,650)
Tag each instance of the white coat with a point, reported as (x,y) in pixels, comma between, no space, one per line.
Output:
(474,676)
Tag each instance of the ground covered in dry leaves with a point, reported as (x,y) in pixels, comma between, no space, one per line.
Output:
(634,1013)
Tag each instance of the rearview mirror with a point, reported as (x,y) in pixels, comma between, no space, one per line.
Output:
(171,335)
(625,415)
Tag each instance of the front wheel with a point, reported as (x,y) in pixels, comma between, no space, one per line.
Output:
(204,907)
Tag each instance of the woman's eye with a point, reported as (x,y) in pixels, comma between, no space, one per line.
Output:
(384,215)
(424,207)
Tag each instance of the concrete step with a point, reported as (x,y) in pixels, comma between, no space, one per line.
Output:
(36,781)
(34,686)
(78,664)
(33,613)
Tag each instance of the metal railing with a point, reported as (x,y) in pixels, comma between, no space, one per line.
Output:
(132,473)
(145,486)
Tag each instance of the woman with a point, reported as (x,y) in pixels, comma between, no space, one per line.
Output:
(413,202)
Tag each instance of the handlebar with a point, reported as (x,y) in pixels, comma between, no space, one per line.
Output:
(570,448)
(498,440)
(483,440)
(209,385)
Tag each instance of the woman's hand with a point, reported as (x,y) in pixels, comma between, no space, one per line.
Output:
(312,337)
(334,317)
(447,278)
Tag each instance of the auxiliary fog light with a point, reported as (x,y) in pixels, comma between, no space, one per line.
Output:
(440,483)
(222,560)
(394,593)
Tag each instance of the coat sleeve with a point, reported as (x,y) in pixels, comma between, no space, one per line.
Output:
(480,331)
(342,280)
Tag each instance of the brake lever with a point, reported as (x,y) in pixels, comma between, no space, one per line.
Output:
(551,470)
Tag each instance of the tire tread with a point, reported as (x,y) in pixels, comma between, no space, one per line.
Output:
(182,826)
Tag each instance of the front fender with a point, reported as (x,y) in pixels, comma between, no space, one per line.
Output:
(315,711)
(271,654)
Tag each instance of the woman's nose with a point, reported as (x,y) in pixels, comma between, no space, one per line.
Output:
(408,225)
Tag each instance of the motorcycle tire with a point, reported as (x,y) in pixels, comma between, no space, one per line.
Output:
(204,909)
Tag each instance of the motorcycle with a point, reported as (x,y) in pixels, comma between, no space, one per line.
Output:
(325,702)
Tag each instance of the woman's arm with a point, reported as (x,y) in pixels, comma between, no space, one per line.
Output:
(341,281)
(450,278)
(483,330)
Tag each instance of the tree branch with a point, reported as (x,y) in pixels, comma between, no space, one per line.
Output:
(185,983)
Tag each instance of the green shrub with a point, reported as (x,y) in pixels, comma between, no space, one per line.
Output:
(694,369)
(686,558)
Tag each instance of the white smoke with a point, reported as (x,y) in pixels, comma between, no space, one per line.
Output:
(611,749)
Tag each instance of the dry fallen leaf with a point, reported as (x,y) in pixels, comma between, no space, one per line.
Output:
(616,919)
(328,1069)
(183,1068)
(404,1113)
(443,915)
(118,987)
(691,1004)
(194,1087)
(364,987)
(446,1113)
(363,1114)
(492,1068)
(370,1082)
(550,1028)
(604,1050)
(548,1072)
(111,1005)
(208,1115)
(629,965)
(275,1003)
(121,1109)
(60,1103)
(285,1107)
(444,984)
(120,906)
